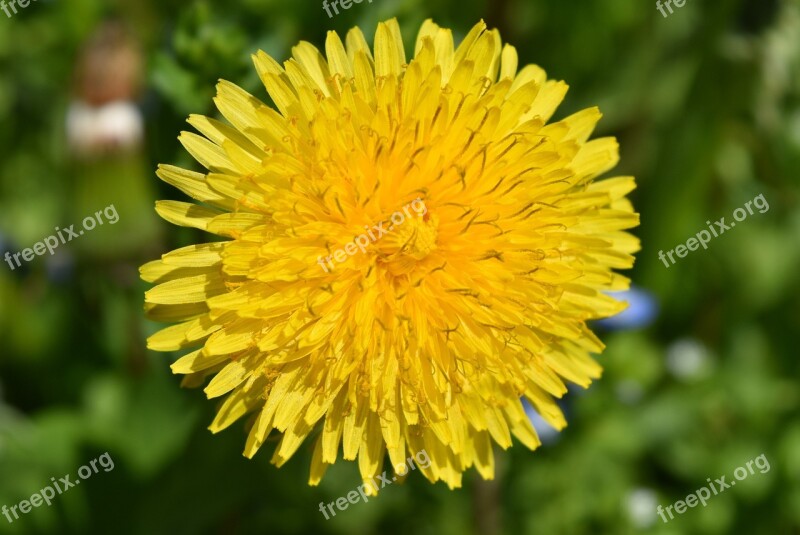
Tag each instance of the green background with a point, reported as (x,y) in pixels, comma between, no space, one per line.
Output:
(706,106)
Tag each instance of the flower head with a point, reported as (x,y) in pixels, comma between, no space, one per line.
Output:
(422,336)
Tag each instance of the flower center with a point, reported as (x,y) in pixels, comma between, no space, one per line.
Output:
(409,242)
(417,236)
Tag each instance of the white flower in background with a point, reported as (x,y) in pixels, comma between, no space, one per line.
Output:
(688,359)
(96,129)
(641,507)
(103,117)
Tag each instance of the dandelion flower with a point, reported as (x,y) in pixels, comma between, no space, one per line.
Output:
(428,338)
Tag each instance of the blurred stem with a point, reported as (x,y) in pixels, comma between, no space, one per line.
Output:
(486,504)
(495,16)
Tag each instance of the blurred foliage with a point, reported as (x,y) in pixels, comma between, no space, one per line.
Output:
(706,106)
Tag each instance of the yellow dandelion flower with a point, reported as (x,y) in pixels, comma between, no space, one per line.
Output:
(326,315)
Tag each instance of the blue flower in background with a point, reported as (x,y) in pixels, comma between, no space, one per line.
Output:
(547,433)
(60,267)
(7,245)
(642,310)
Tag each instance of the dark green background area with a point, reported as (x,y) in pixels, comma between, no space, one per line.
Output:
(706,106)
